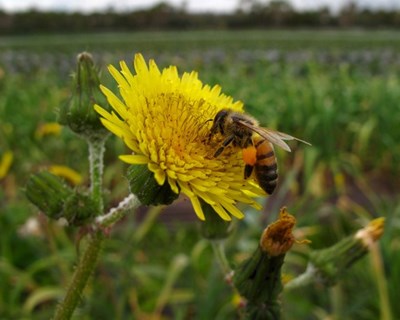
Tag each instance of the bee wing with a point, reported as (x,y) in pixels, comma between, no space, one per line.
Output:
(275,137)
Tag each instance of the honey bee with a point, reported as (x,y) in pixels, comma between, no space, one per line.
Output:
(243,131)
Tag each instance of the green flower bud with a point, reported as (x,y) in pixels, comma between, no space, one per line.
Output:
(258,278)
(78,114)
(213,227)
(49,193)
(146,188)
(56,200)
(330,263)
(79,209)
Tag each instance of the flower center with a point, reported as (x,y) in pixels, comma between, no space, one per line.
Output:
(176,129)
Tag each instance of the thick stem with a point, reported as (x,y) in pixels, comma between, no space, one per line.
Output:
(80,278)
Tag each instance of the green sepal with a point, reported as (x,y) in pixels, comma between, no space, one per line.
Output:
(146,188)
(213,227)
(49,193)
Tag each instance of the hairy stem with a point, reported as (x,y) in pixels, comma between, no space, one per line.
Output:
(115,214)
(85,267)
(89,259)
(96,152)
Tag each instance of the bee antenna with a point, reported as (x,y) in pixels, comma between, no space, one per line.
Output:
(205,122)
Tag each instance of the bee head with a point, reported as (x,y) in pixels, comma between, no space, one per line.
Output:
(219,121)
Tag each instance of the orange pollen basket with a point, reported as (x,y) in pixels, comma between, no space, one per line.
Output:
(250,155)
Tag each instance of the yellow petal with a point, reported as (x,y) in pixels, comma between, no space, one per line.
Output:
(134,159)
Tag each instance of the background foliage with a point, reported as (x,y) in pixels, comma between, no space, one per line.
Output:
(339,90)
(163,16)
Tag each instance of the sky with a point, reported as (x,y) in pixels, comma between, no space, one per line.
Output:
(191,5)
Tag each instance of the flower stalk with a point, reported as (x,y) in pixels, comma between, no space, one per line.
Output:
(89,259)
(96,154)
(218,247)
(216,231)
(83,271)
(79,116)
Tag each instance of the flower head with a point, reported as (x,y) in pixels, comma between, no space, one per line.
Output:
(164,119)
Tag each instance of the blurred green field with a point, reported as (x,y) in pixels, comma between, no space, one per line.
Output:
(339,90)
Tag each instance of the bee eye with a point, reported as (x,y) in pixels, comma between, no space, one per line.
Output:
(220,116)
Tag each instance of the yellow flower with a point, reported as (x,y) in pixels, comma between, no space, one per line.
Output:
(5,163)
(164,119)
(48,129)
(65,172)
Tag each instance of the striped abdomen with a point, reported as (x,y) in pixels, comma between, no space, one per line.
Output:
(265,168)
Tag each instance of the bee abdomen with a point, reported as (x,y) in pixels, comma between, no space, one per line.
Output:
(264,156)
(267,177)
(266,169)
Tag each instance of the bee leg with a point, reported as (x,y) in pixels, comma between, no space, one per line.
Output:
(210,135)
(248,169)
(216,127)
(226,142)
